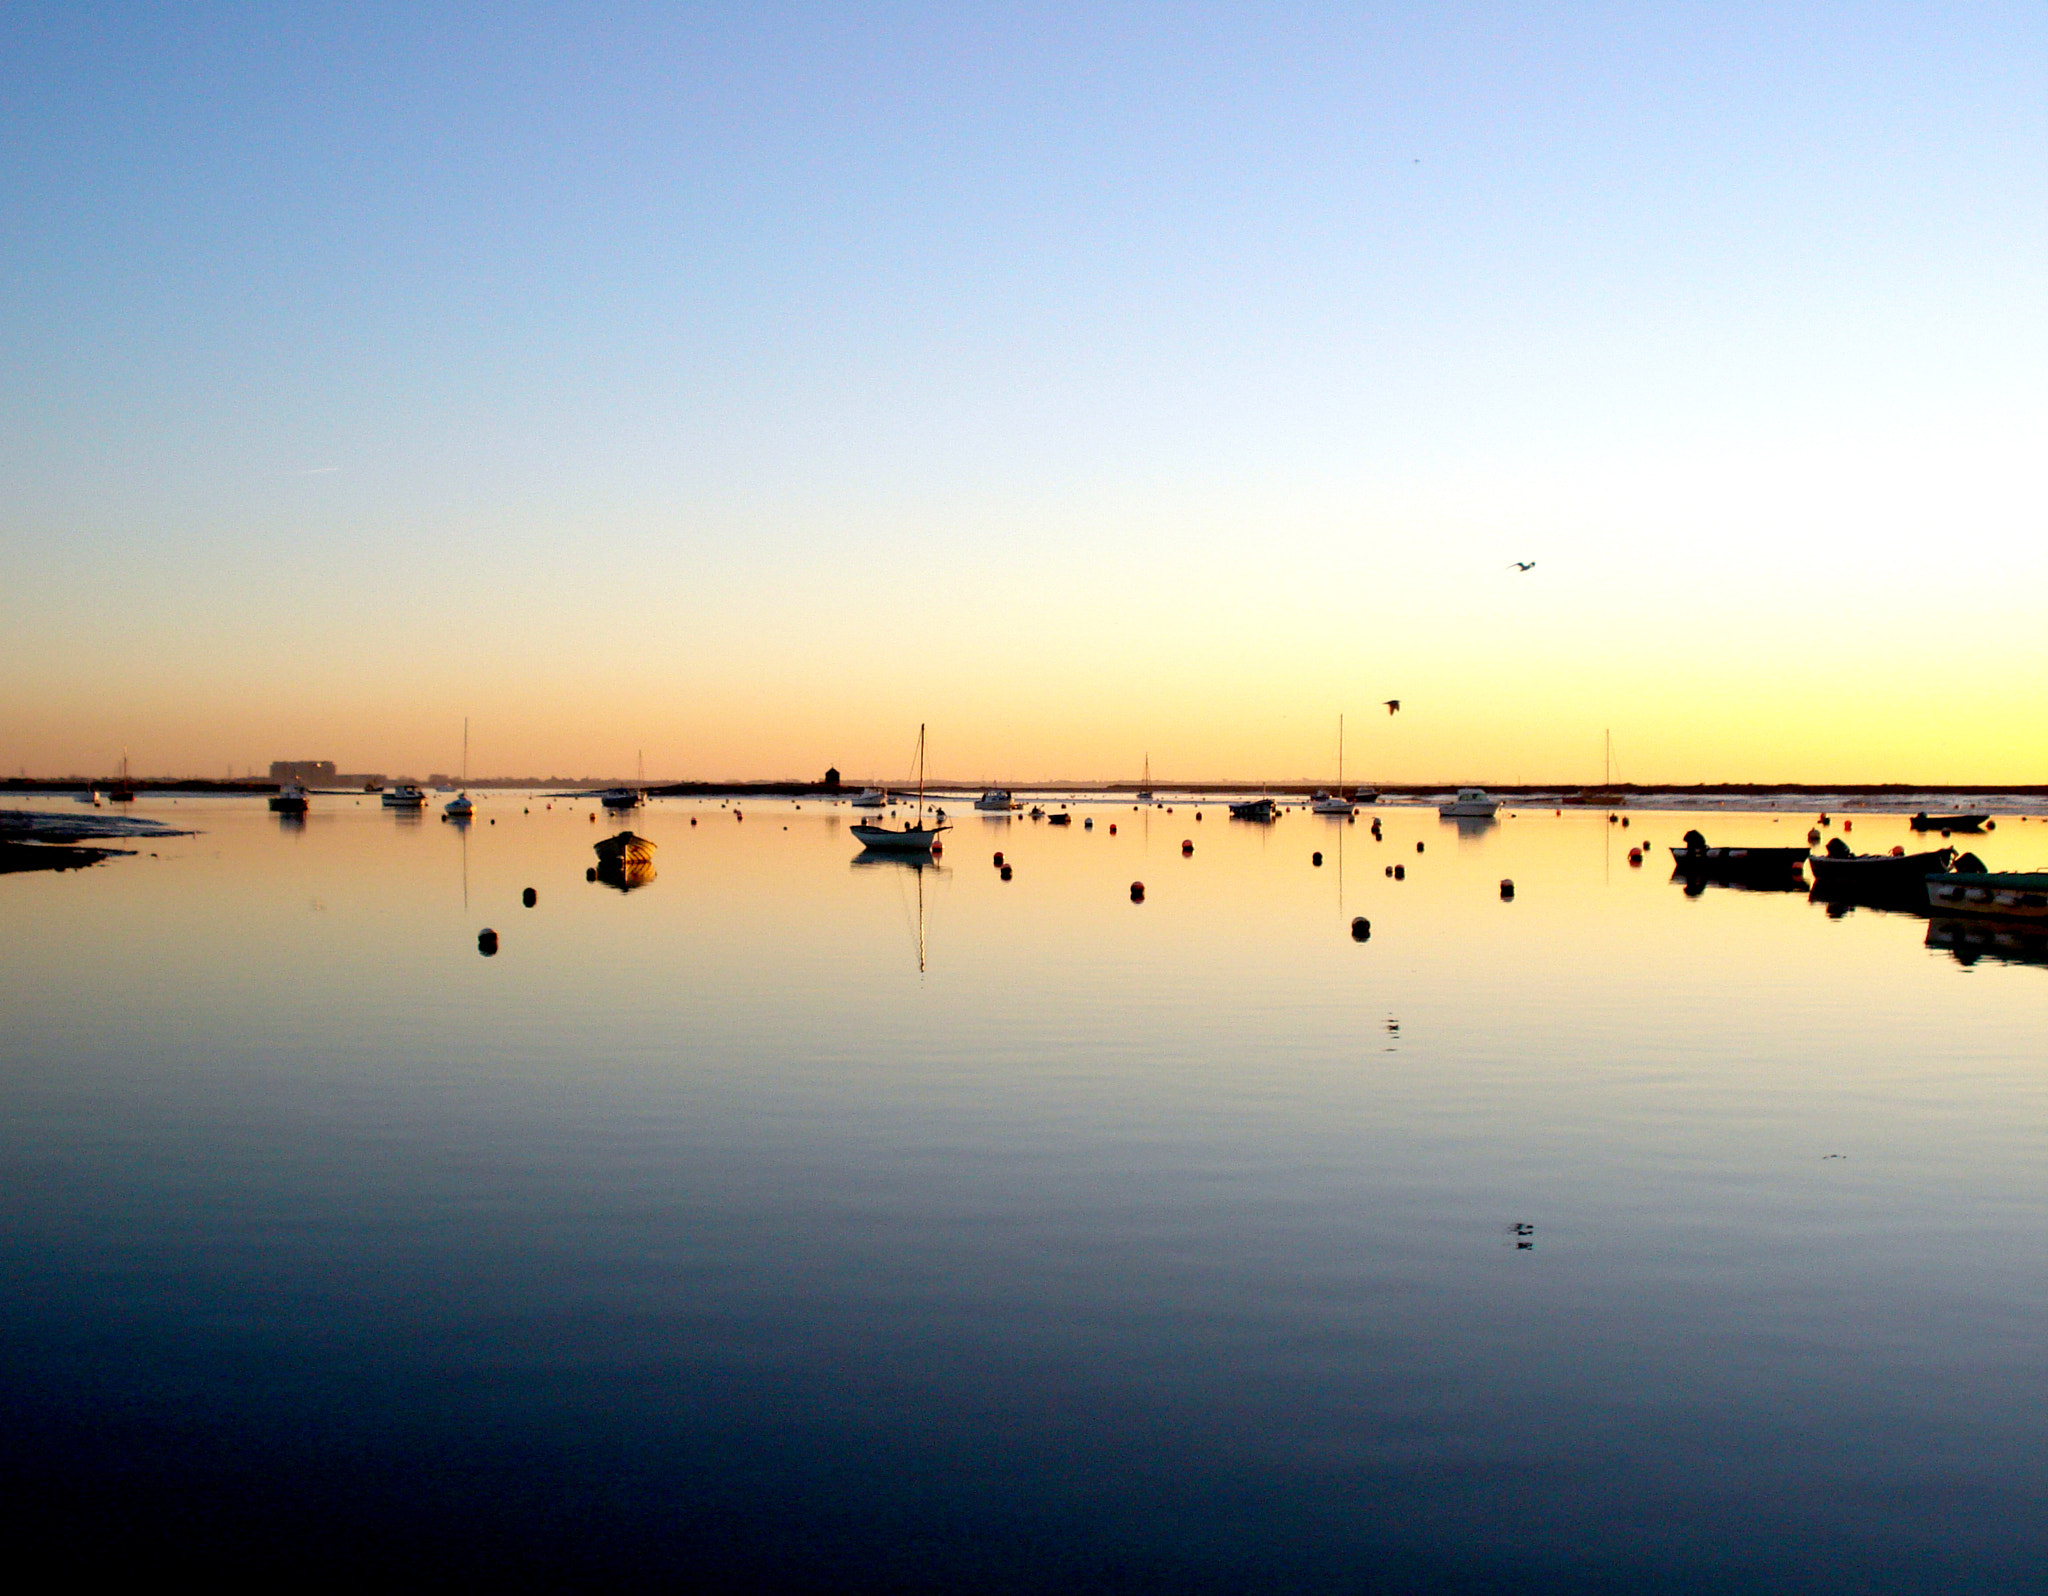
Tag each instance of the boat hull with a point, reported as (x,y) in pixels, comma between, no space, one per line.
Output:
(1878,873)
(911,839)
(1946,823)
(1741,861)
(1262,810)
(2010,895)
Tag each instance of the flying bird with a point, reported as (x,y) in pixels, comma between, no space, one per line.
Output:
(1521,565)
(1392,704)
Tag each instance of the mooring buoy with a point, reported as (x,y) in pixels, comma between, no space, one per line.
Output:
(529,897)
(1361,928)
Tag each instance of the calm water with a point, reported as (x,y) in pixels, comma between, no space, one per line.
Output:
(1608,1238)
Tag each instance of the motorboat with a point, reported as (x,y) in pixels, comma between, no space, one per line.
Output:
(622,798)
(1698,858)
(1876,875)
(870,798)
(1061,819)
(404,796)
(915,837)
(1259,809)
(1470,804)
(459,807)
(997,800)
(290,799)
(2009,894)
(1947,823)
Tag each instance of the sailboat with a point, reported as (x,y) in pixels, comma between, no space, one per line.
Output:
(459,807)
(916,837)
(123,791)
(627,797)
(1145,791)
(1323,803)
(1605,795)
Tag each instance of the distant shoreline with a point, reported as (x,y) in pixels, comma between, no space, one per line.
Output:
(1553,791)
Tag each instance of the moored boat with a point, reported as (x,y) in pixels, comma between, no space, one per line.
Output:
(1864,874)
(2009,894)
(1697,857)
(870,798)
(915,837)
(997,800)
(404,796)
(1259,809)
(290,799)
(1472,803)
(1947,823)
(621,798)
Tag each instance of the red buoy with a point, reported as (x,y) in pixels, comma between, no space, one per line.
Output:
(1137,892)
(1187,846)
(999,859)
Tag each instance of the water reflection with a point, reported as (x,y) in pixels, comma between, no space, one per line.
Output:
(1151,1248)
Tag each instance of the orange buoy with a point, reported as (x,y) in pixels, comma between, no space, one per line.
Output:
(999,859)
(1635,856)
(1112,828)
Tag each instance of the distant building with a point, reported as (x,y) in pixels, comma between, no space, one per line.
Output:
(832,777)
(304,771)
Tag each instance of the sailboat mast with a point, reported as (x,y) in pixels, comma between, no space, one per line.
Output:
(465,762)
(1609,779)
(920,775)
(1340,757)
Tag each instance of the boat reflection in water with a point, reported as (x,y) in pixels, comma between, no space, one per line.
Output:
(917,864)
(1469,826)
(1967,941)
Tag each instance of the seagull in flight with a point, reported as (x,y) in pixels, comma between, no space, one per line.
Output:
(1521,565)
(1392,704)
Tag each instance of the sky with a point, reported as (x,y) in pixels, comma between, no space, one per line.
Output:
(734,388)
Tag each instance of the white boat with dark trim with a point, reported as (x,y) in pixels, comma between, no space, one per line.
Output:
(870,798)
(621,798)
(2010,894)
(1324,803)
(290,799)
(914,838)
(996,800)
(1470,804)
(404,796)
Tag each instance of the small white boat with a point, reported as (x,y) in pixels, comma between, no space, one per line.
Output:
(870,798)
(1470,804)
(404,796)
(1325,804)
(914,838)
(996,799)
(459,807)
(290,799)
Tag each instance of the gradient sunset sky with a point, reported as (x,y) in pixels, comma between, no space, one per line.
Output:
(746,384)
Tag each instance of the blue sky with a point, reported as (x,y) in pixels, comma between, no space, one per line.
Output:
(593,368)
